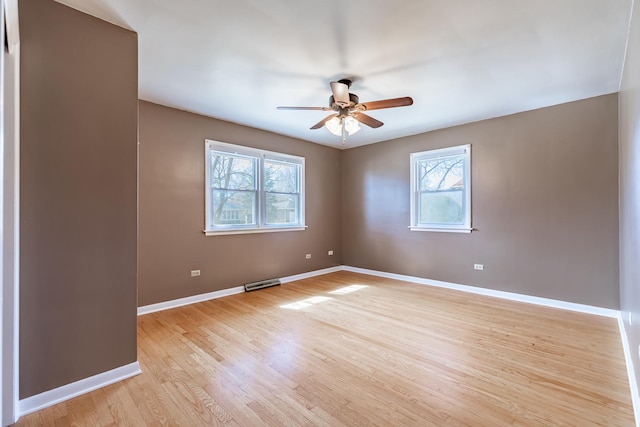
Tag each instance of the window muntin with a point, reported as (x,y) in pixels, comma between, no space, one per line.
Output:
(251,190)
(441,189)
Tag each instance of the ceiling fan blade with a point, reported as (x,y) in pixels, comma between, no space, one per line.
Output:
(388,103)
(306,108)
(367,120)
(323,121)
(340,93)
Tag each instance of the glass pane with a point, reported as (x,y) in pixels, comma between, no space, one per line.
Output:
(282,208)
(280,177)
(234,207)
(443,207)
(443,173)
(233,171)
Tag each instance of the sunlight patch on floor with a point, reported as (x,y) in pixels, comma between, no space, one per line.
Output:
(307,302)
(348,289)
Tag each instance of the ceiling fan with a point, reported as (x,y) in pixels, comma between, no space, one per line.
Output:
(349,111)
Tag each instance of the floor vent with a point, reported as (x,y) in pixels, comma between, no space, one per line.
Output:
(262,284)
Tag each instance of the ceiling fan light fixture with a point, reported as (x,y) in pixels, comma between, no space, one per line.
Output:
(348,112)
(334,126)
(351,125)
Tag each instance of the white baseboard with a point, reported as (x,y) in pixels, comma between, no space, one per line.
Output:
(151,308)
(311,274)
(166,305)
(547,302)
(633,385)
(69,391)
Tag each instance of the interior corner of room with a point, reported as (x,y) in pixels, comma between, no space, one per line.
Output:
(104,206)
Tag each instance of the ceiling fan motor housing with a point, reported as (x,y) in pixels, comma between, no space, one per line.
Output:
(352,98)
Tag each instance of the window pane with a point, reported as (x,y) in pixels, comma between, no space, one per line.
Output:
(442,207)
(234,207)
(282,208)
(441,173)
(233,171)
(281,177)
(441,185)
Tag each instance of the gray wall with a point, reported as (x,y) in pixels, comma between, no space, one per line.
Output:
(171,240)
(78,196)
(544,203)
(630,191)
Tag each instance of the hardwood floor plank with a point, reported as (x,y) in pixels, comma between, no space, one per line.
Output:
(347,349)
(82,412)
(99,400)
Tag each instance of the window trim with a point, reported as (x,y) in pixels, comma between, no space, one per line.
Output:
(465,227)
(260,225)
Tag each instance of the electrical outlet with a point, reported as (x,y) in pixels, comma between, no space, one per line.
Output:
(478,266)
(195,273)
(308,256)
(330,253)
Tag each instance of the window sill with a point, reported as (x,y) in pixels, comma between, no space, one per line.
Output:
(253,230)
(442,230)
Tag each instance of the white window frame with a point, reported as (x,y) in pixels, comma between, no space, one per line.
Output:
(260,225)
(415,158)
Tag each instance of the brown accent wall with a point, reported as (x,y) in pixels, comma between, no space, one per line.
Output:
(544,205)
(629,110)
(78,196)
(172,210)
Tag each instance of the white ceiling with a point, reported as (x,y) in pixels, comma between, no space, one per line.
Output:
(461,61)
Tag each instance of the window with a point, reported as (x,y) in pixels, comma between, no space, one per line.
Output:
(441,190)
(250,190)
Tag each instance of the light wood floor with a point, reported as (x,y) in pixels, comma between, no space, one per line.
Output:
(388,354)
